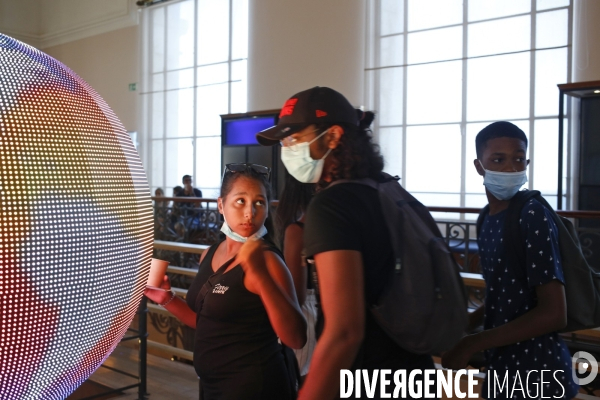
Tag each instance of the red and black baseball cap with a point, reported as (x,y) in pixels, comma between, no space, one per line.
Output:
(313,106)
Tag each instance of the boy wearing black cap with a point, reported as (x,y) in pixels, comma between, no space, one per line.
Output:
(523,309)
(325,139)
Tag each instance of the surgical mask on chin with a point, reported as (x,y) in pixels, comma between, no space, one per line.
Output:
(262,231)
(300,164)
(503,185)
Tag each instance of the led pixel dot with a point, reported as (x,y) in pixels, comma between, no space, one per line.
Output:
(76,221)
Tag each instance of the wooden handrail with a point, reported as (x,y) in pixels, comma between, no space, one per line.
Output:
(184,199)
(477,281)
(176,351)
(579,214)
(182,247)
(182,271)
(461,210)
(564,213)
(470,279)
(466,210)
(473,280)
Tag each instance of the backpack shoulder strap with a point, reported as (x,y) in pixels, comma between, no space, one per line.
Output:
(385,178)
(208,285)
(545,203)
(363,181)
(390,186)
(420,209)
(481,217)
(513,240)
(563,224)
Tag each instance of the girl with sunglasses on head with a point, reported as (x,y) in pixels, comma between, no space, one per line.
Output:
(241,300)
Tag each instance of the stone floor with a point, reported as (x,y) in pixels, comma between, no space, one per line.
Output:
(167,379)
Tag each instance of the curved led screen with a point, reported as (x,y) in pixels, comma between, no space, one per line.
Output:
(76,220)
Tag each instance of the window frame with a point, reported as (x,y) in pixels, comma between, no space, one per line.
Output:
(373,81)
(148,91)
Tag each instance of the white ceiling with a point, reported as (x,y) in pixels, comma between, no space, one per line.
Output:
(46,23)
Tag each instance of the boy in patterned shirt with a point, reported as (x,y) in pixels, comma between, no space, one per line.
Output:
(523,310)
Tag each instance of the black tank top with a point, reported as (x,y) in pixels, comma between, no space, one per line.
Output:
(236,353)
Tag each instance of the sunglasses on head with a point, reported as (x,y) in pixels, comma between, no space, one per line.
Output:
(243,167)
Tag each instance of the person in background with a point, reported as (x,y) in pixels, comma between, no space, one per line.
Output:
(324,139)
(176,213)
(161,212)
(290,226)
(160,203)
(177,190)
(188,189)
(522,312)
(241,300)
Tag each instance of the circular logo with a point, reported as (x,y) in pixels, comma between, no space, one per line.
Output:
(585,368)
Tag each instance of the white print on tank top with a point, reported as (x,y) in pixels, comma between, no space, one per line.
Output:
(220,289)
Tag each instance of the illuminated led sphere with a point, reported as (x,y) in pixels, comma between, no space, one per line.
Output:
(76,222)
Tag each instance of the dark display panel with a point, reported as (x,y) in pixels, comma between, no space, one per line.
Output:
(242,131)
(239,145)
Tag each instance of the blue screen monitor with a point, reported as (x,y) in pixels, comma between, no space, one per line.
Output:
(242,131)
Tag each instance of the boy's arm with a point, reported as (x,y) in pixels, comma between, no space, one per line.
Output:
(341,273)
(476,318)
(543,272)
(549,315)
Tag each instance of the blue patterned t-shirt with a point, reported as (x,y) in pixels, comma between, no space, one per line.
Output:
(510,293)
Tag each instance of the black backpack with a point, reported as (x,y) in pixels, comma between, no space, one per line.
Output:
(582,282)
(423,308)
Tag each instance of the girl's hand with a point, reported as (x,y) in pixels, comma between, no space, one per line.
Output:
(252,259)
(459,356)
(161,294)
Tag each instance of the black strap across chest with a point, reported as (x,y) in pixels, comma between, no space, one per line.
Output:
(209,284)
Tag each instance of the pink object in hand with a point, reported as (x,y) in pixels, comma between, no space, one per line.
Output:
(158,268)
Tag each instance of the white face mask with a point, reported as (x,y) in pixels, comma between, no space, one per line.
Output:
(503,185)
(262,231)
(300,164)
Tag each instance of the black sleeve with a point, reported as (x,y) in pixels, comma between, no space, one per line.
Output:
(331,223)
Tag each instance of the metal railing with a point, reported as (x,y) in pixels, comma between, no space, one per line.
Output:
(141,335)
(186,220)
(197,221)
(183,236)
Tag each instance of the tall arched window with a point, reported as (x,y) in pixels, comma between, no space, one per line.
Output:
(438,71)
(194,56)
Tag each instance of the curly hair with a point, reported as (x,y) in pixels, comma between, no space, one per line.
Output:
(356,155)
(293,202)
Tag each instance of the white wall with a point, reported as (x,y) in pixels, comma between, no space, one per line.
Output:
(586,43)
(98,40)
(46,23)
(109,63)
(64,21)
(21,19)
(295,45)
